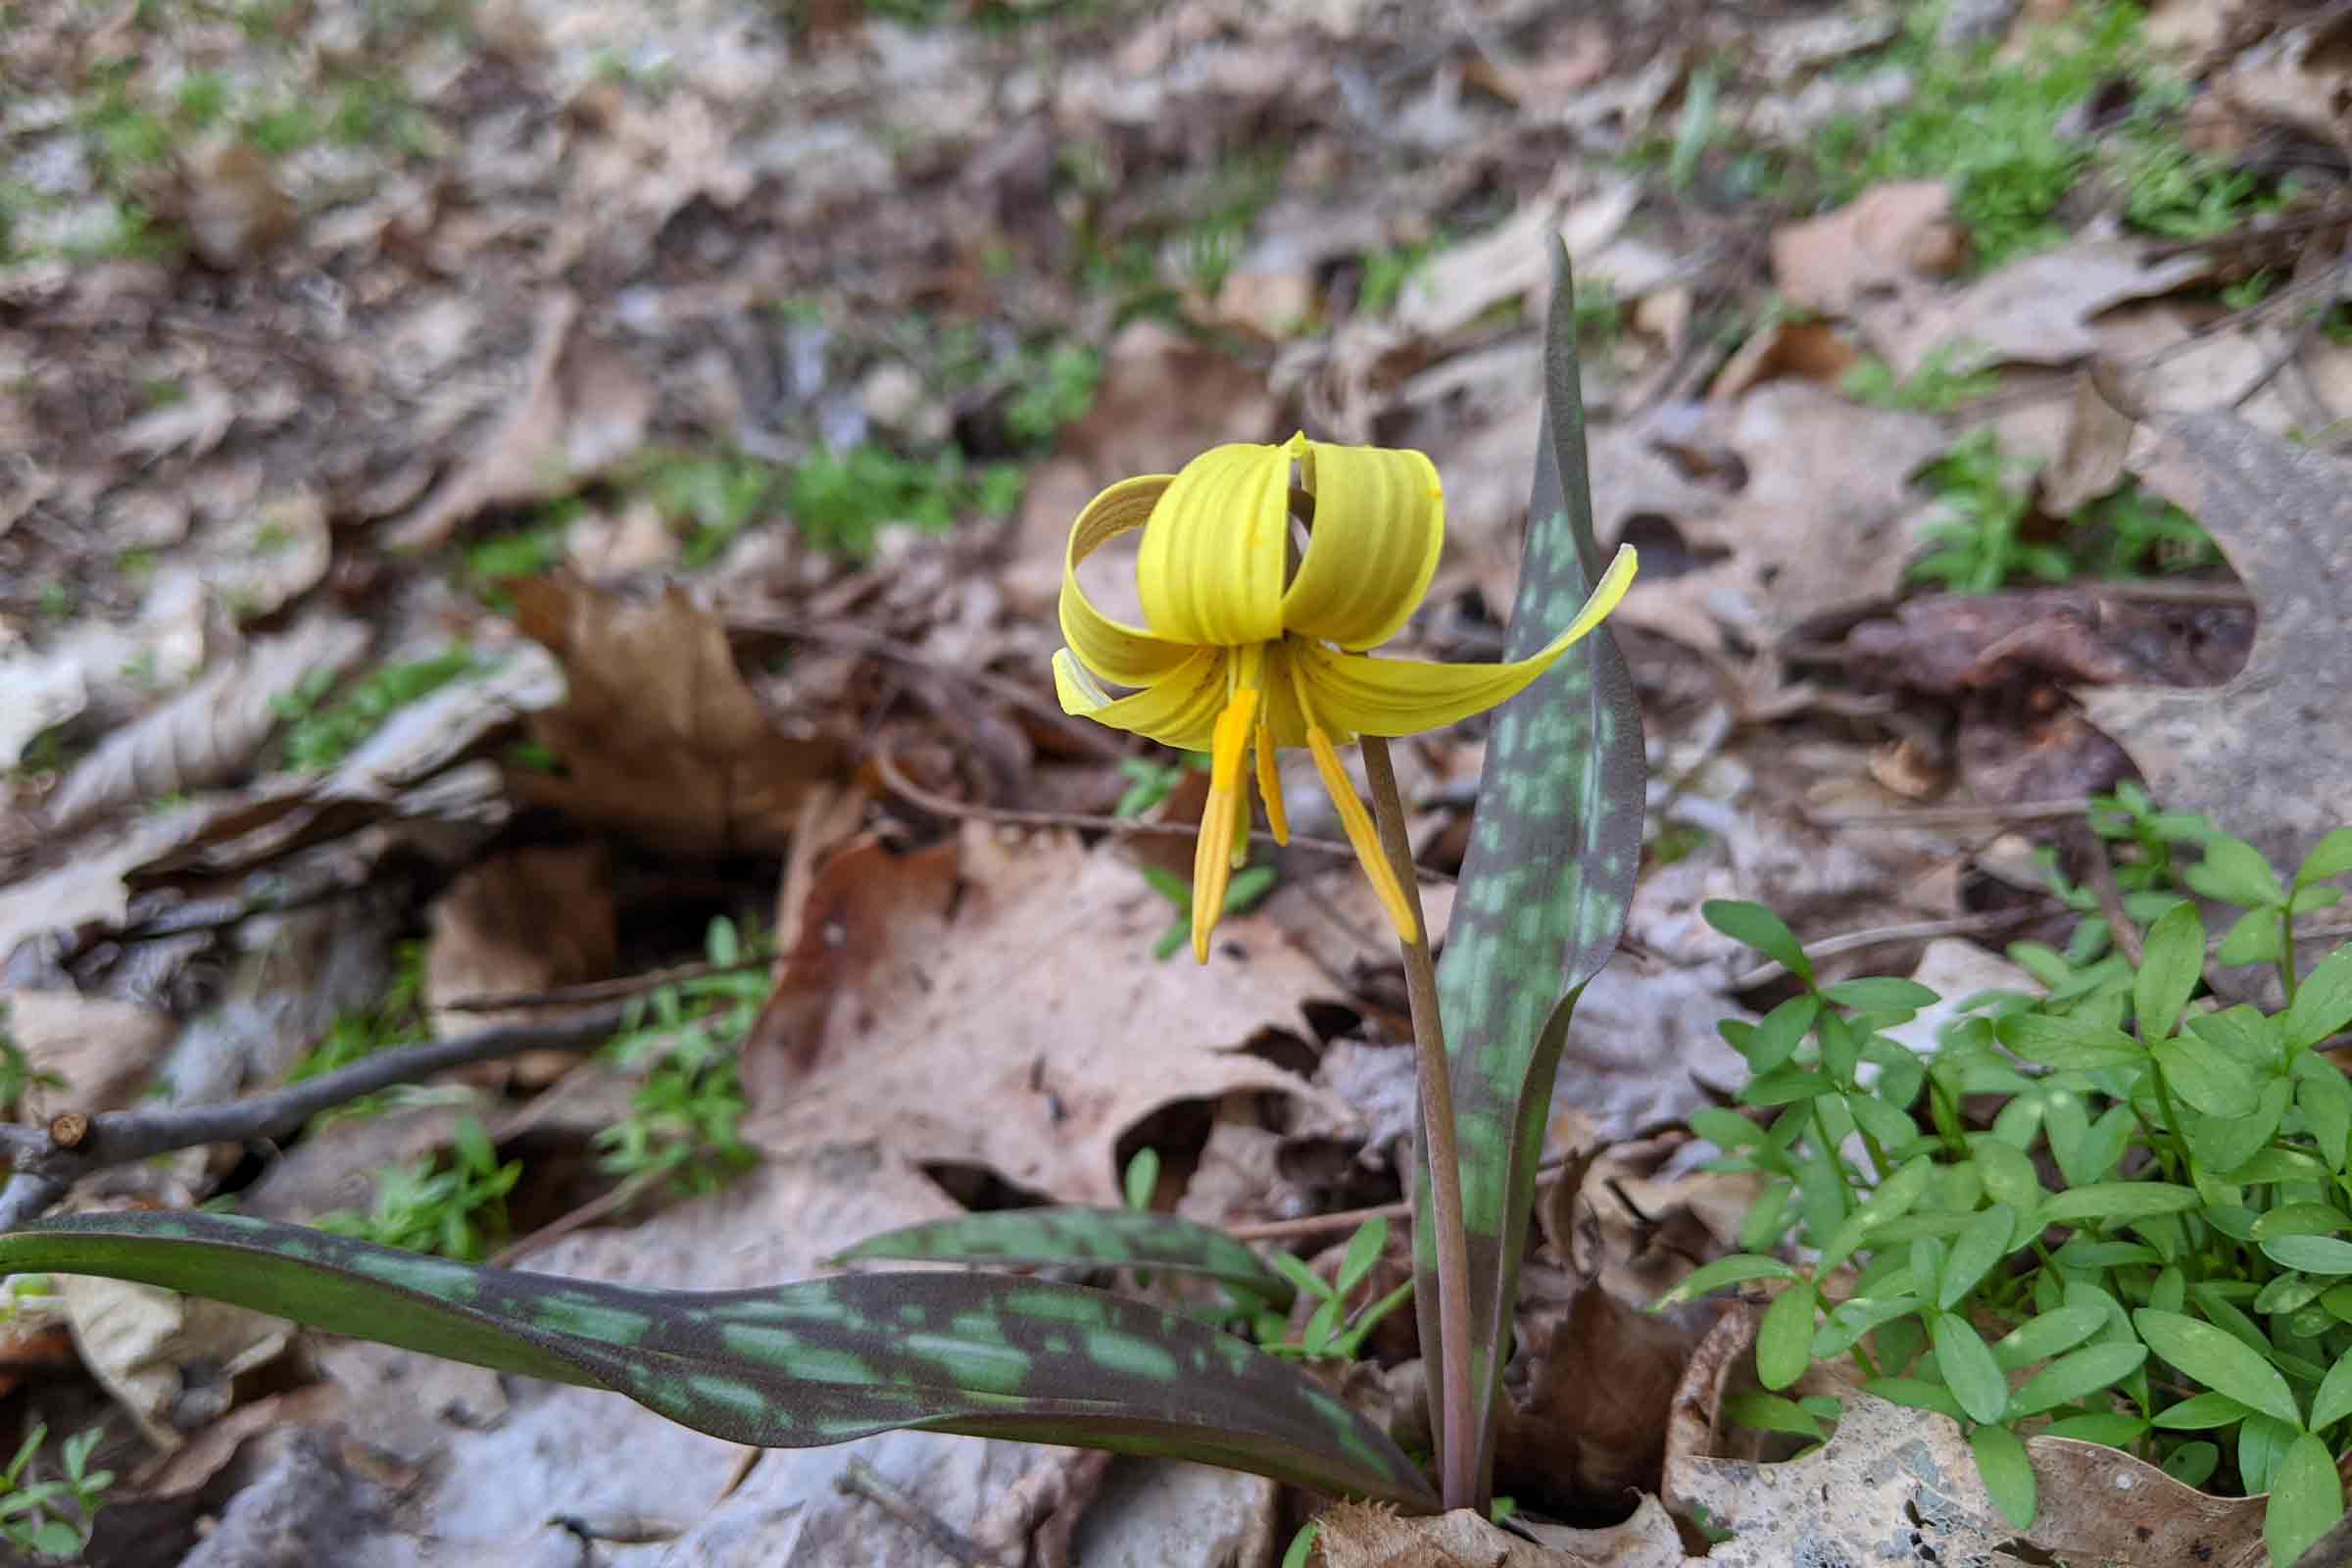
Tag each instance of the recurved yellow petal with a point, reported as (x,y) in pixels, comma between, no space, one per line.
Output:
(1222,816)
(1404,696)
(1215,548)
(1362,835)
(1380,521)
(1178,710)
(1127,656)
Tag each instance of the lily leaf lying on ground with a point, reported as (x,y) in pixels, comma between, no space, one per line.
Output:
(789,1366)
(1094,1237)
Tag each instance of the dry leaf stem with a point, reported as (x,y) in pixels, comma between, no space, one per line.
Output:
(1457,1441)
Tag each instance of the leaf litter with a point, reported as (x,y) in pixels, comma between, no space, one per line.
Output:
(326,342)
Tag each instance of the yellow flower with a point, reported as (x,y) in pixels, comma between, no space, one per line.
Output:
(1258,628)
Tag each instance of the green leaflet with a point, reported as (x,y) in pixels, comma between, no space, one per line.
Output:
(1545,885)
(787,1366)
(1096,1237)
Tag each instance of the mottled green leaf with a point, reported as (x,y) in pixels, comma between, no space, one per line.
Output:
(2306,1497)
(2217,1360)
(1544,884)
(798,1365)
(1091,1238)
(2007,1474)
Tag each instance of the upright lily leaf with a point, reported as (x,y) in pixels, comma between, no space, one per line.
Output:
(1092,1238)
(1545,885)
(789,1366)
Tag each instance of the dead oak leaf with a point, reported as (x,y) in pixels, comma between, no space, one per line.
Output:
(2035,310)
(2268,754)
(658,735)
(997,1005)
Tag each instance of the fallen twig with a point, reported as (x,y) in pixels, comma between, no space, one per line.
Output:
(44,1166)
(942,805)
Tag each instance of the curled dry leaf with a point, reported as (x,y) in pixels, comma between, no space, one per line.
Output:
(1887,237)
(2268,754)
(207,734)
(659,736)
(2034,310)
(996,1004)
(101,1047)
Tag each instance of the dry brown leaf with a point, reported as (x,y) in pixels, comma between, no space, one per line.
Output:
(2091,462)
(1021,1031)
(1892,1474)
(2268,755)
(1809,351)
(1592,1424)
(170,1359)
(230,202)
(102,1048)
(2299,76)
(197,420)
(659,736)
(519,923)
(1357,1534)
(2035,310)
(1513,260)
(207,734)
(1820,525)
(1887,237)
(583,407)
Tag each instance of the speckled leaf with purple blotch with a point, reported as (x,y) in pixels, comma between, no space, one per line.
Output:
(1553,847)
(789,1366)
(1090,1237)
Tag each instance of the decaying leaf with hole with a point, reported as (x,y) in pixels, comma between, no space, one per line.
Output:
(2268,754)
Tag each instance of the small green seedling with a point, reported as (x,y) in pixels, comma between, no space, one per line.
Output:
(455,1207)
(1244,893)
(1330,1333)
(53,1519)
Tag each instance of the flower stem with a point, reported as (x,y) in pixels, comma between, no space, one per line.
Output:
(1457,1441)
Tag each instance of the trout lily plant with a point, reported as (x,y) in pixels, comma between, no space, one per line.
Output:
(1267,574)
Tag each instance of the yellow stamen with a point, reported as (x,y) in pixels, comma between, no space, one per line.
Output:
(1220,814)
(1269,781)
(1362,833)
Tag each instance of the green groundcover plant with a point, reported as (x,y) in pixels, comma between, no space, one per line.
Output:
(1211,1370)
(2119,1212)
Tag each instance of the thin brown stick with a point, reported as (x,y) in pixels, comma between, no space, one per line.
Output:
(1938,816)
(598,1208)
(2119,924)
(942,805)
(44,1168)
(618,988)
(1959,926)
(1458,1444)
(859,1479)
